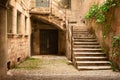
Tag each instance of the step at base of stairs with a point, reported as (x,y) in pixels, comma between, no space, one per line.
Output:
(90,58)
(89,54)
(94,67)
(86,46)
(85,40)
(92,63)
(87,50)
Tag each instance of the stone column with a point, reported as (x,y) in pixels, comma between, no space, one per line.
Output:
(23,23)
(28,25)
(3,41)
(28,32)
(19,23)
(14,21)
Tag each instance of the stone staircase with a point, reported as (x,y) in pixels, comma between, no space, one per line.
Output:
(87,53)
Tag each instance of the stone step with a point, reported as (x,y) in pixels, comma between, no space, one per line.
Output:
(84,37)
(89,54)
(85,40)
(86,43)
(92,63)
(86,46)
(94,67)
(87,50)
(80,31)
(90,58)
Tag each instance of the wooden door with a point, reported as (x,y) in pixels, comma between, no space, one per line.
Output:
(48,41)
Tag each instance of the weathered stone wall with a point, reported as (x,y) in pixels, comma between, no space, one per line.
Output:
(18,49)
(98,29)
(18,32)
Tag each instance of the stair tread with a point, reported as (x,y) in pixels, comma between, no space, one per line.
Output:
(86,43)
(92,62)
(94,67)
(85,40)
(91,57)
(88,53)
(86,46)
(87,49)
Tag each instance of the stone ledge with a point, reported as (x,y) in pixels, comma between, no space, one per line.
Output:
(11,35)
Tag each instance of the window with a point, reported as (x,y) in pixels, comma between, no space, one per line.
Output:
(19,22)
(42,3)
(26,24)
(9,20)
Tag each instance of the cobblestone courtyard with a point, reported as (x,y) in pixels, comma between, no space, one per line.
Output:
(50,67)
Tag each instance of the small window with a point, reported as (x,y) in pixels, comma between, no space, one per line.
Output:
(26,24)
(9,20)
(42,3)
(8,65)
(18,22)
(18,59)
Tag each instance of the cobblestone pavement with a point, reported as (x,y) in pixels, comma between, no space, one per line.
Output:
(52,67)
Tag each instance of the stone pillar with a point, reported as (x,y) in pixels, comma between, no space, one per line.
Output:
(23,23)
(3,41)
(28,25)
(14,21)
(19,23)
(28,32)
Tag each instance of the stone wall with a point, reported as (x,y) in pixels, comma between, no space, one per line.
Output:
(18,49)
(18,32)
(98,29)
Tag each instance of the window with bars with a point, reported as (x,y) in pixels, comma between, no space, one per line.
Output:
(42,3)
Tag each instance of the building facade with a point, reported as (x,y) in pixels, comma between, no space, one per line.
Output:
(41,27)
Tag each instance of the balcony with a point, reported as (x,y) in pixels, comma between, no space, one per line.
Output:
(51,12)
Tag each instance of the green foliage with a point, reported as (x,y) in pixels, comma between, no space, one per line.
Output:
(115,41)
(106,30)
(114,68)
(93,10)
(99,12)
(30,63)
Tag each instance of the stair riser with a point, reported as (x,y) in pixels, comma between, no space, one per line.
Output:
(75,46)
(86,43)
(85,40)
(92,64)
(94,69)
(87,50)
(91,59)
(83,35)
(96,55)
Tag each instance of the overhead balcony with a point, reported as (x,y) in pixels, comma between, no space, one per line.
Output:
(48,11)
